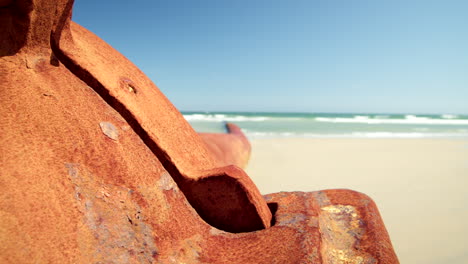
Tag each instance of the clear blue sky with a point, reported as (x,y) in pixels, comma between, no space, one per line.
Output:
(292,55)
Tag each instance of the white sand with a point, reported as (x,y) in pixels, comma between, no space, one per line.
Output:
(419,185)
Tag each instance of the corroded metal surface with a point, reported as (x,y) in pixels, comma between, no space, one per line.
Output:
(97,166)
(164,130)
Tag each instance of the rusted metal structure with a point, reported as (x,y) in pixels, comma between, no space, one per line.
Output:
(97,166)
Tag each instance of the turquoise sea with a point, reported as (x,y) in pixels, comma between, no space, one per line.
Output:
(334,125)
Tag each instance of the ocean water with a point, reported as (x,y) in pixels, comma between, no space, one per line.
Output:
(333,125)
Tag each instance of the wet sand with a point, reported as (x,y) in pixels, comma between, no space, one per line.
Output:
(419,185)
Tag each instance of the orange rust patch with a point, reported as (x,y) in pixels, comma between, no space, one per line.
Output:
(341,230)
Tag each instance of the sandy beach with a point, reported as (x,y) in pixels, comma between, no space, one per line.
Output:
(419,185)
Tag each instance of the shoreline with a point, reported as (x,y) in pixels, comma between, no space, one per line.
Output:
(348,136)
(418,184)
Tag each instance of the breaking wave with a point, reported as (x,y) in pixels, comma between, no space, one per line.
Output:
(408,119)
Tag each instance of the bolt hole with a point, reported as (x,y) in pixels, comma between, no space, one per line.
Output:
(131,88)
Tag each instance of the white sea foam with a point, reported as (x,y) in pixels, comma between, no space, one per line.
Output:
(322,125)
(359,117)
(382,116)
(362,119)
(258,135)
(224,118)
(409,119)
(421,129)
(447,116)
(235,118)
